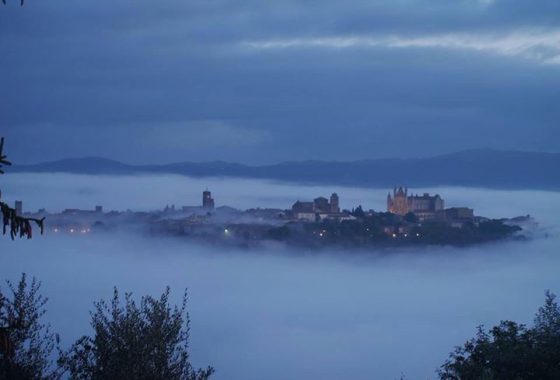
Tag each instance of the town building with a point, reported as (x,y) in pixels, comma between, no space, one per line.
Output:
(459,213)
(335,208)
(321,208)
(19,208)
(80,212)
(207,200)
(321,204)
(304,211)
(457,216)
(424,207)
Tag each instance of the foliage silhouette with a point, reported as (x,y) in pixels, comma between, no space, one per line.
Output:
(148,340)
(18,225)
(26,344)
(511,350)
(21,2)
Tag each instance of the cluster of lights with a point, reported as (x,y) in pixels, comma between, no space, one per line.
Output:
(74,230)
(405,235)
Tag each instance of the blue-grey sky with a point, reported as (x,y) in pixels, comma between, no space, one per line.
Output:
(266,81)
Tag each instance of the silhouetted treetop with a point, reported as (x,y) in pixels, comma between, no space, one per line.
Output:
(16,224)
(21,2)
(511,350)
(146,340)
(26,344)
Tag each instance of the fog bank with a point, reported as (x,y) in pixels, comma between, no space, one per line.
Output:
(57,191)
(280,314)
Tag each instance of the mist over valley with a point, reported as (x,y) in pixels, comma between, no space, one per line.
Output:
(280,313)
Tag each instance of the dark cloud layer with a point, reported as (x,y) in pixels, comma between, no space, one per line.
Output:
(268,81)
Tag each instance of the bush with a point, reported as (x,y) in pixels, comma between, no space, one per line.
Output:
(26,344)
(135,341)
(511,350)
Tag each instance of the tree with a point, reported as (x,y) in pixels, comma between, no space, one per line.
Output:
(135,341)
(511,350)
(547,337)
(18,225)
(26,344)
(146,341)
(547,319)
(358,212)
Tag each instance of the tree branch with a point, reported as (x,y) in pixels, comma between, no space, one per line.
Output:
(21,2)
(18,225)
(3,157)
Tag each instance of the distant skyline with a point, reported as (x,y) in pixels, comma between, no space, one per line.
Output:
(263,82)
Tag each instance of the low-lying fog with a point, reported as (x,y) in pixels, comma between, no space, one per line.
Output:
(284,314)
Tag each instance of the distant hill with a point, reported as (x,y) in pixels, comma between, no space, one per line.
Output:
(86,165)
(484,168)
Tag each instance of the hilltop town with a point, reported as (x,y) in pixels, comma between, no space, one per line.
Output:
(408,219)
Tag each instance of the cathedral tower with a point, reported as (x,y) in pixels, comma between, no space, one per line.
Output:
(398,203)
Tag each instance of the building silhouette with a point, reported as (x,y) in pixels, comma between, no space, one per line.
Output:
(321,208)
(335,208)
(19,208)
(207,200)
(321,204)
(398,203)
(424,206)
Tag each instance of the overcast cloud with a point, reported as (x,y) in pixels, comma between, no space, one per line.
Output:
(260,82)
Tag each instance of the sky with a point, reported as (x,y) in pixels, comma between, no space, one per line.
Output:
(261,82)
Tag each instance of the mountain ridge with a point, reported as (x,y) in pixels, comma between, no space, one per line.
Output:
(478,167)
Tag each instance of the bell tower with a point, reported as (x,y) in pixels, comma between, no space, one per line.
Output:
(335,209)
(207,200)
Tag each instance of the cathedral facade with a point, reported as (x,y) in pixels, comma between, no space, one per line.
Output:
(424,206)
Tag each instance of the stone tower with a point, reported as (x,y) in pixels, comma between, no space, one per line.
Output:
(207,200)
(334,203)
